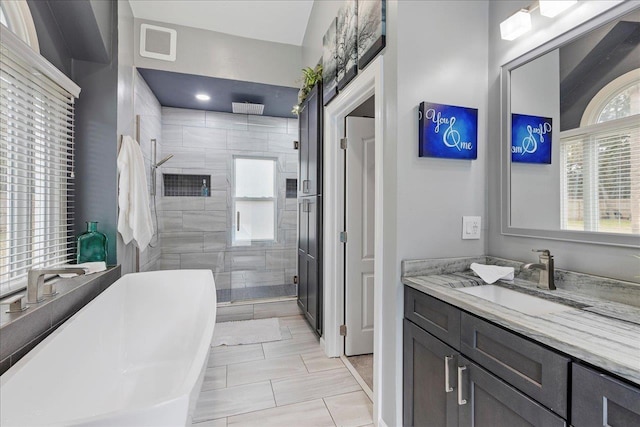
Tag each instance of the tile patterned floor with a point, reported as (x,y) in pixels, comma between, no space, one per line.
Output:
(287,383)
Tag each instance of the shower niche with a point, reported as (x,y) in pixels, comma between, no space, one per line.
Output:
(181,185)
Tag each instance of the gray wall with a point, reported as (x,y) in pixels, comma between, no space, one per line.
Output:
(96,144)
(214,54)
(126,123)
(149,109)
(52,43)
(424,198)
(95,121)
(195,232)
(322,13)
(600,260)
(437,63)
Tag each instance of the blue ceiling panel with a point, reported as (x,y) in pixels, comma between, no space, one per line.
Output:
(178,90)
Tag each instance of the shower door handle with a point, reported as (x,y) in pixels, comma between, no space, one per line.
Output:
(238,221)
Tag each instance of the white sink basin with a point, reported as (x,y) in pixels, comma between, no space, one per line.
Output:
(515,300)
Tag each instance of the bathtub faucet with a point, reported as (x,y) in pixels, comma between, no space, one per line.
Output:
(35,282)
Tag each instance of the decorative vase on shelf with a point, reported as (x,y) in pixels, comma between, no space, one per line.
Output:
(92,244)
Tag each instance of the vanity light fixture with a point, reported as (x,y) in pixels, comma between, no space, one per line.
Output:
(202,97)
(515,25)
(552,8)
(520,22)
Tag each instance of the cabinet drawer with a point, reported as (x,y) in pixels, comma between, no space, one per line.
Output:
(598,400)
(492,403)
(540,373)
(434,316)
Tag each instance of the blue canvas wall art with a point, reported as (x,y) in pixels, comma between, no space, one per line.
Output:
(448,131)
(531,139)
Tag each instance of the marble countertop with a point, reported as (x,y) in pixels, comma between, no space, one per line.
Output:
(602,333)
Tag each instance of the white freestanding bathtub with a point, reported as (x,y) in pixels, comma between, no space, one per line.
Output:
(134,356)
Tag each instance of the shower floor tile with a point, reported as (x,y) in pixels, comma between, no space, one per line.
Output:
(256,292)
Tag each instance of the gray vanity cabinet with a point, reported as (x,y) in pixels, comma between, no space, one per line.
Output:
(462,371)
(427,363)
(597,400)
(486,401)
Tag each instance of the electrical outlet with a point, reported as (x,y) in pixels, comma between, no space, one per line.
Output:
(471,226)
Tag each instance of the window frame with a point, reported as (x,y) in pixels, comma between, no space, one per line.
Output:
(38,151)
(590,127)
(606,94)
(20,22)
(234,199)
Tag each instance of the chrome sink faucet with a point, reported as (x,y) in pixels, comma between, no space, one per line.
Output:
(545,265)
(36,288)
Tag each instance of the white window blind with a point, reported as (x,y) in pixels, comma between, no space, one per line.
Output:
(254,199)
(36,164)
(601,177)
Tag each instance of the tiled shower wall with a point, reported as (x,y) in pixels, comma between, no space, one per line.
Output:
(146,105)
(196,232)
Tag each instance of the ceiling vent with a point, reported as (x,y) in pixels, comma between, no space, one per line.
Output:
(158,42)
(247,108)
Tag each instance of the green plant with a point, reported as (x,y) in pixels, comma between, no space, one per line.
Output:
(310,77)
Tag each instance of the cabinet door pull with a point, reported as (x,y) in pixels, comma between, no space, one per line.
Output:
(461,401)
(238,221)
(305,186)
(447,381)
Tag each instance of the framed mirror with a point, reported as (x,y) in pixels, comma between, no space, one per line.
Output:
(571,135)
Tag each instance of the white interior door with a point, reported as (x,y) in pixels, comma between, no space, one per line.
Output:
(359,250)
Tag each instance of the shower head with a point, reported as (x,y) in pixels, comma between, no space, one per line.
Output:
(161,162)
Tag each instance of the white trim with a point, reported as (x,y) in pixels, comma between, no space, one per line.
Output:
(361,382)
(21,22)
(606,94)
(366,84)
(37,61)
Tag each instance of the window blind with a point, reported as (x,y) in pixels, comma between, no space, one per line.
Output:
(601,177)
(36,166)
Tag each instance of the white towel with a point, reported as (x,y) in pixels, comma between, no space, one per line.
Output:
(134,218)
(89,268)
(492,273)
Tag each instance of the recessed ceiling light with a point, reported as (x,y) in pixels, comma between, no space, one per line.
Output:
(202,97)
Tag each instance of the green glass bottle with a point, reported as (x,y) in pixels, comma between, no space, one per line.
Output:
(92,244)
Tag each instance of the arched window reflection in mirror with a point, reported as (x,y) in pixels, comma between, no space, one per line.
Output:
(601,164)
(16,16)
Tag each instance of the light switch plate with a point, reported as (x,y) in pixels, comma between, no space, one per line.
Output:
(471,226)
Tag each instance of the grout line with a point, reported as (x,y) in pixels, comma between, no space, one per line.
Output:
(257,301)
(273,393)
(206,421)
(329,411)
(226,376)
(305,364)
